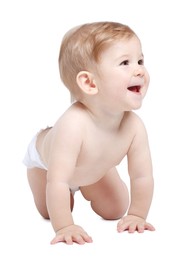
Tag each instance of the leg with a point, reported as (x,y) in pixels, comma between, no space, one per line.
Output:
(37,181)
(109,196)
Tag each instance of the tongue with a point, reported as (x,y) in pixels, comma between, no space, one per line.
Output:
(134,88)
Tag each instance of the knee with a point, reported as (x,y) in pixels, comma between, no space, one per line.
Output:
(114,213)
(111,212)
(44,214)
(43,211)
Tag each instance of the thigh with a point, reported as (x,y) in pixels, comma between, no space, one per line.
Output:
(109,196)
(37,181)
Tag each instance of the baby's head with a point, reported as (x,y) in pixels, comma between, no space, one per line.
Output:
(82,46)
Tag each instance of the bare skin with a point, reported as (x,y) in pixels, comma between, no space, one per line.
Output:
(86,144)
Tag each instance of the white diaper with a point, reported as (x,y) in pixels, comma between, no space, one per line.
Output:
(32,158)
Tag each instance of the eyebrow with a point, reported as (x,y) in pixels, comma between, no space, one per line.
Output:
(126,56)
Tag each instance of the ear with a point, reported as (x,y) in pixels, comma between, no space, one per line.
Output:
(86,83)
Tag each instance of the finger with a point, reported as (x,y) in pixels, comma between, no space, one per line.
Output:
(57,239)
(82,239)
(149,227)
(68,240)
(79,239)
(140,228)
(123,226)
(132,228)
(120,225)
(87,238)
(120,222)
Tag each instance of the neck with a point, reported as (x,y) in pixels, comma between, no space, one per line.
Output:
(104,118)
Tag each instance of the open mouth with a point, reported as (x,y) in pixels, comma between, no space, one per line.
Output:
(135,89)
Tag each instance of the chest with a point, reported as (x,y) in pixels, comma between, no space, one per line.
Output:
(103,150)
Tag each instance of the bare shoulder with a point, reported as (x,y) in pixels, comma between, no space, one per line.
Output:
(140,135)
(139,155)
(74,116)
(133,122)
(70,126)
(66,136)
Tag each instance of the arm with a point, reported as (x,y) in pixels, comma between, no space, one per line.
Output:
(141,180)
(64,150)
(58,203)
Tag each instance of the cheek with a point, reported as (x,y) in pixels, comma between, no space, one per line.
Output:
(113,83)
(147,78)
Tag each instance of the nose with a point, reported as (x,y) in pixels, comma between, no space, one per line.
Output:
(139,71)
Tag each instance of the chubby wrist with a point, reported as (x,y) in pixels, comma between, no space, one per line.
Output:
(136,215)
(64,227)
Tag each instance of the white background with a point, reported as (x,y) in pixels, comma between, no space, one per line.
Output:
(32,96)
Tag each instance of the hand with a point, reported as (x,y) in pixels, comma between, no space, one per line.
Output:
(133,223)
(70,234)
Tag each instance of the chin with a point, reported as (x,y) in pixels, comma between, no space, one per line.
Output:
(136,107)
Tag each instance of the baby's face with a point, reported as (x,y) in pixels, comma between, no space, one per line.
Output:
(122,76)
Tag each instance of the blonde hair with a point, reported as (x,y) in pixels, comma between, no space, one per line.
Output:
(82,46)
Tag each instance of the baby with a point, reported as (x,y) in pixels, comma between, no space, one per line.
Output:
(102,65)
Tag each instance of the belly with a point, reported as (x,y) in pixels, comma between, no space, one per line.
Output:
(88,174)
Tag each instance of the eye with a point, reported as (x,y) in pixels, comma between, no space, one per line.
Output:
(141,62)
(125,62)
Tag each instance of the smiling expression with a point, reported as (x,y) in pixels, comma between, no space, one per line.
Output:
(122,77)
